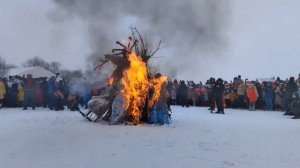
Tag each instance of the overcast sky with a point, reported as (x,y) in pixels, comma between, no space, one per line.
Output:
(263,38)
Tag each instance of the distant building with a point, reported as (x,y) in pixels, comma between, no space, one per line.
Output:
(36,72)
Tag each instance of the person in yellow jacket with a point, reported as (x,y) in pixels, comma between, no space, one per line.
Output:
(21,96)
(2,92)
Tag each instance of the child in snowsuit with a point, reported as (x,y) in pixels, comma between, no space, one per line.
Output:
(252,95)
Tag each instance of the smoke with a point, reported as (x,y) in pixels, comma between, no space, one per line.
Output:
(192,29)
(82,86)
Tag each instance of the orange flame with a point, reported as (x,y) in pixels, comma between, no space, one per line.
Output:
(135,87)
(157,84)
(110,81)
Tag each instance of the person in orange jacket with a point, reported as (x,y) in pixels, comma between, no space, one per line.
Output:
(252,95)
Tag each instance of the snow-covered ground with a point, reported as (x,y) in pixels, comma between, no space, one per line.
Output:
(195,139)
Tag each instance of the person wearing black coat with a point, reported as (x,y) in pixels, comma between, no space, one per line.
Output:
(183,92)
(291,88)
(44,87)
(295,106)
(211,93)
(219,90)
(14,90)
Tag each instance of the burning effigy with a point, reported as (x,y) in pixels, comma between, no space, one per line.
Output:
(133,94)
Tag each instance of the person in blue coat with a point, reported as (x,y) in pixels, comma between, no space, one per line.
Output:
(52,87)
(268,95)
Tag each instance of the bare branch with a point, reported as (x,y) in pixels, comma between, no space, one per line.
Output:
(157,48)
(140,37)
(133,45)
(119,43)
(98,67)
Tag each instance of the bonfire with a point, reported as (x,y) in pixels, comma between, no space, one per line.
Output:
(132,81)
(135,87)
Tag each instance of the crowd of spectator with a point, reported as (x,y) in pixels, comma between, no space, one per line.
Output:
(21,91)
(55,94)
(280,95)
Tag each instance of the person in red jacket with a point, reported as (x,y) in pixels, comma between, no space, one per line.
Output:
(252,95)
(29,90)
